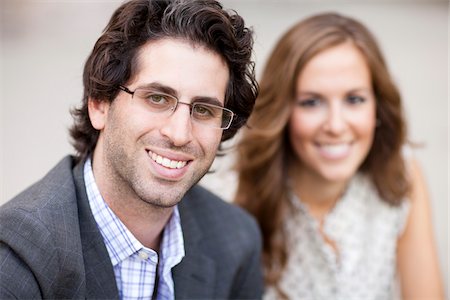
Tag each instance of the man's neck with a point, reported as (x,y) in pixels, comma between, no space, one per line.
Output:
(145,222)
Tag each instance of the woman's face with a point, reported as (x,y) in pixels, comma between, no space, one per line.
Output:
(332,125)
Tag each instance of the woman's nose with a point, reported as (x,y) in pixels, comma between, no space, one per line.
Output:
(335,122)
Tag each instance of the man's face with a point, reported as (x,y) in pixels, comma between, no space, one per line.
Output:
(157,157)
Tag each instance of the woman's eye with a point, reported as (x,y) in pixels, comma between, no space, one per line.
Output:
(312,102)
(355,99)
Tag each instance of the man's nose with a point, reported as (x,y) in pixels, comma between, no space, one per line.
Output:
(178,126)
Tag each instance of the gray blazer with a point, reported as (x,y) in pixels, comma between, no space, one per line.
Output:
(50,246)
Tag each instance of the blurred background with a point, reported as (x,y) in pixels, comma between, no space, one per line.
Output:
(44,44)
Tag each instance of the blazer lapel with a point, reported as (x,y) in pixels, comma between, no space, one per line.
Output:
(100,279)
(195,276)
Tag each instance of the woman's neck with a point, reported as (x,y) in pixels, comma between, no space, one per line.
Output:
(318,194)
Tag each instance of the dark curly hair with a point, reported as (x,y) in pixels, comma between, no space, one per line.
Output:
(113,60)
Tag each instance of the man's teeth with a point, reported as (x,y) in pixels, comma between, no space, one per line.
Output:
(164,161)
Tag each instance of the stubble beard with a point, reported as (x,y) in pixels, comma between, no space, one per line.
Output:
(133,180)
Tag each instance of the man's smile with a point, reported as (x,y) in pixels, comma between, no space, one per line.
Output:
(166,162)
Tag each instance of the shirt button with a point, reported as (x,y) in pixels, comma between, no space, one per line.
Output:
(143,255)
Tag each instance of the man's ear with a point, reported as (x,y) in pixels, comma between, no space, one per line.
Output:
(98,112)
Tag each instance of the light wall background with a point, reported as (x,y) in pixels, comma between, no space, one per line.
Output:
(44,44)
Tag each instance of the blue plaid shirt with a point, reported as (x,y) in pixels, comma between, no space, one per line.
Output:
(135,265)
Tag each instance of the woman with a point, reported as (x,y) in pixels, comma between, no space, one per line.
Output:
(324,169)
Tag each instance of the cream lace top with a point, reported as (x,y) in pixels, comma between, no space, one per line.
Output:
(365,230)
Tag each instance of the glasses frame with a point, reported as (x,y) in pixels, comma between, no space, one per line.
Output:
(191,105)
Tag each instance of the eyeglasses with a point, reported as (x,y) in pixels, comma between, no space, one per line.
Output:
(206,114)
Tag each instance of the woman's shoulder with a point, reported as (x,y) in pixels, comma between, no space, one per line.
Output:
(375,208)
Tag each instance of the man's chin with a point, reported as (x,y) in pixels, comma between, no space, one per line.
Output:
(167,193)
(166,199)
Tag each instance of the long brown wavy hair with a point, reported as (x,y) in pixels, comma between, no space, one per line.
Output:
(264,151)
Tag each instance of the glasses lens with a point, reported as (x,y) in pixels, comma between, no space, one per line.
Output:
(156,102)
(212,115)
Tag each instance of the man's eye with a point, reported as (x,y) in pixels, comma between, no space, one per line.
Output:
(204,111)
(157,99)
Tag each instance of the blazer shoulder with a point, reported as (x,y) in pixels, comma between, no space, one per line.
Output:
(56,184)
(218,216)
(40,234)
(48,207)
(229,239)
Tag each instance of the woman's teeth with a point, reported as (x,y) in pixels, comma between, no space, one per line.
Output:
(335,150)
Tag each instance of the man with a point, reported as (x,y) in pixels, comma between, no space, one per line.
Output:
(165,83)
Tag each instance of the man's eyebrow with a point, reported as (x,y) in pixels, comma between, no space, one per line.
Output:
(160,88)
(209,100)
